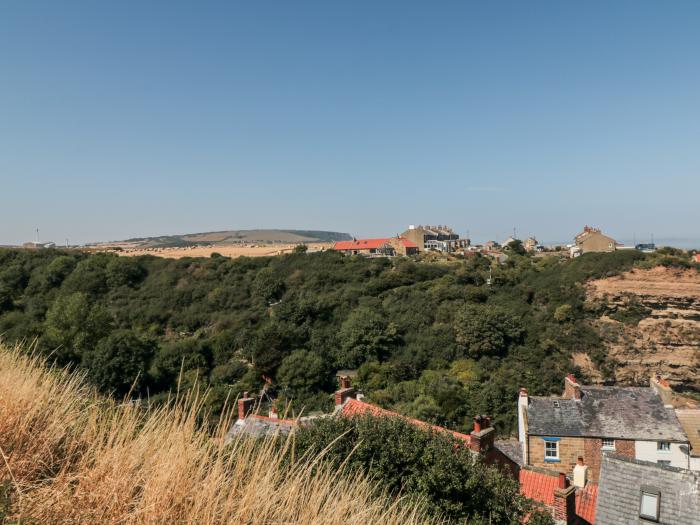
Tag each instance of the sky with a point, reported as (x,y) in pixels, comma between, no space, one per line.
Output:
(124,119)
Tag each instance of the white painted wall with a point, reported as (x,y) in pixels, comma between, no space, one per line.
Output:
(647,451)
(522,425)
(694,463)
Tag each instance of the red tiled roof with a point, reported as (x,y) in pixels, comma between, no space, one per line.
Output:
(274,419)
(353,407)
(697,257)
(540,487)
(370,244)
(586,502)
(537,486)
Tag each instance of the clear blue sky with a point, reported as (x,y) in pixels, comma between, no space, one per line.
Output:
(140,118)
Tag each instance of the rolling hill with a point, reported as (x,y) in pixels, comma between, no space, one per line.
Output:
(232,237)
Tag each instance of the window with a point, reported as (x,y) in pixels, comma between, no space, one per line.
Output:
(608,444)
(663,446)
(551,451)
(649,504)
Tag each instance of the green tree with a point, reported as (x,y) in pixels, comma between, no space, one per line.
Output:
(366,336)
(119,362)
(303,373)
(563,313)
(59,268)
(267,285)
(74,326)
(124,271)
(486,329)
(420,464)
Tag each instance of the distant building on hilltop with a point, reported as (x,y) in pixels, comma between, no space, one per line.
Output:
(439,238)
(593,240)
(382,247)
(530,244)
(35,245)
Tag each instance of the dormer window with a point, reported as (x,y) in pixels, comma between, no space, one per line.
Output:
(649,503)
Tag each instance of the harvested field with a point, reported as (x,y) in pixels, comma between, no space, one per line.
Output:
(228,250)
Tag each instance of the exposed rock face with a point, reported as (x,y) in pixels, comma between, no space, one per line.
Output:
(650,323)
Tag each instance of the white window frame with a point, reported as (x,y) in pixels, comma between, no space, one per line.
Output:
(610,445)
(547,456)
(663,446)
(648,495)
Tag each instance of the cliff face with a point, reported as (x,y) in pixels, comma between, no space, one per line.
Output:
(649,321)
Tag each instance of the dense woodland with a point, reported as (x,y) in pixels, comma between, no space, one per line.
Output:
(430,339)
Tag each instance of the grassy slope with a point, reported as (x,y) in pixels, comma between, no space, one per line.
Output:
(71,457)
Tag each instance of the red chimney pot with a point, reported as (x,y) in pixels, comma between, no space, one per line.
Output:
(563,482)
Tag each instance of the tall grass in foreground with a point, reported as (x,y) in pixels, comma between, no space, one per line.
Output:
(71,457)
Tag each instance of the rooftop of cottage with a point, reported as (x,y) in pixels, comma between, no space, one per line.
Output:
(613,412)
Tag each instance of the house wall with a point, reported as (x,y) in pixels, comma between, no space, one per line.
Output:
(647,451)
(593,454)
(597,242)
(416,235)
(570,448)
(694,463)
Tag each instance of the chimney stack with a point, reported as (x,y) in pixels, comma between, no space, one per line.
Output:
(662,388)
(481,438)
(523,402)
(580,473)
(564,501)
(344,382)
(345,391)
(245,405)
(572,389)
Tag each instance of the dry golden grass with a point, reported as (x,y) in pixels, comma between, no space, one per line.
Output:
(71,457)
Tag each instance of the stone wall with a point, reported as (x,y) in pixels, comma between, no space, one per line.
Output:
(569,451)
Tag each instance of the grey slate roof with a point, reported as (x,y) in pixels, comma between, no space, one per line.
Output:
(613,412)
(619,492)
(255,426)
(512,449)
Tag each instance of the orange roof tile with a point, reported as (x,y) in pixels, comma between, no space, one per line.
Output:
(354,407)
(540,486)
(586,502)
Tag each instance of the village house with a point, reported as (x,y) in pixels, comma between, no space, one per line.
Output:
(383,247)
(349,403)
(634,492)
(587,421)
(437,238)
(593,240)
(530,244)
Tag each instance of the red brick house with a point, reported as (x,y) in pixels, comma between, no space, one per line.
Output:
(383,247)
